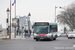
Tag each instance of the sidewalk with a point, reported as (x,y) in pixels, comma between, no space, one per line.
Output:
(17,37)
(12,37)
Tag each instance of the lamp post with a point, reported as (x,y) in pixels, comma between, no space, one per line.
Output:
(7,20)
(56,17)
(55,12)
(10,21)
(29,22)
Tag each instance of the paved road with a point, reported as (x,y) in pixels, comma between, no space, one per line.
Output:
(62,43)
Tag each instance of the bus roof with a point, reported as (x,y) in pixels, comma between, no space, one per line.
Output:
(45,21)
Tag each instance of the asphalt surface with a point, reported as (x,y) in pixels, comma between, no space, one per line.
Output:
(61,43)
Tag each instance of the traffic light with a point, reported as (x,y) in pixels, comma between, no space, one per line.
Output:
(7,20)
(7,28)
(18,24)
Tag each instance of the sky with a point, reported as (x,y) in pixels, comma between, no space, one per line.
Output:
(41,10)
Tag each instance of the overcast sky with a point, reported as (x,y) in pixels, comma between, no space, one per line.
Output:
(41,10)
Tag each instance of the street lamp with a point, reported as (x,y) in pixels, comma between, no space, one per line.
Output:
(55,11)
(56,17)
(7,21)
(29,22)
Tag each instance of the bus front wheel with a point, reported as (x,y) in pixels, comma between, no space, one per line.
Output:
(36,39)
(51,39)
(54,39)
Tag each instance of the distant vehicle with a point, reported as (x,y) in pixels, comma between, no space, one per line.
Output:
(63,34)
(58,34)
(70,35)
(45,30)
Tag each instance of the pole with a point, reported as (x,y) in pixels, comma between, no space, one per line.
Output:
(10,21)
(22,31)
(73,23)
(15,17)
(64,26)
(28,24)
(8,24)
(7,20)
(55,13)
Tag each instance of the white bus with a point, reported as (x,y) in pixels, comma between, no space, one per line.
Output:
(44,30)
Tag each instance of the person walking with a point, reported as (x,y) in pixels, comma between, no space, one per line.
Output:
(25,32)
(30,32)
(19,32)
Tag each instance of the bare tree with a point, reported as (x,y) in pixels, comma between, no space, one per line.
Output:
(67,16)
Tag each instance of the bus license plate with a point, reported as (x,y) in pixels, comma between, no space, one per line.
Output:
(41,38)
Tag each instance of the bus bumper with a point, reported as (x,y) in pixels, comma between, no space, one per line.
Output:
(43,37)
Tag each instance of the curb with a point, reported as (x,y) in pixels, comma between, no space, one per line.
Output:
(15,38)
(18,38)
(5,39)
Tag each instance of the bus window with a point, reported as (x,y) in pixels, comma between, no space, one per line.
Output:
(53,28)
(41,29)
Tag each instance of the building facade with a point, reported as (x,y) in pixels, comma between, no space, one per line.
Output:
(23,22)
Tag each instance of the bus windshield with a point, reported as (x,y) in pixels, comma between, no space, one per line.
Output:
(41,29)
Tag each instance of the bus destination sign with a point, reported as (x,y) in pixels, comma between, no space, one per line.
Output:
(40,23)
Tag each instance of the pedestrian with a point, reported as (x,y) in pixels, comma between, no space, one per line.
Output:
(30,32)
(25,32)
(17,31)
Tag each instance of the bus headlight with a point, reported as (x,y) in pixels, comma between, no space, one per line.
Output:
(48,35)
(35,35)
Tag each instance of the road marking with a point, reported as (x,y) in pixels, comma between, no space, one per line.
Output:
(64,48)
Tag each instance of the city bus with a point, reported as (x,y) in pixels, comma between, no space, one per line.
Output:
(44,30)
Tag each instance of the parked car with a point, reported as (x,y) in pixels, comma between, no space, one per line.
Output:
(70,35)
